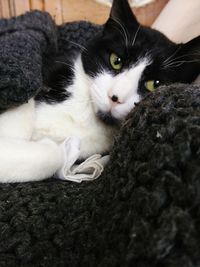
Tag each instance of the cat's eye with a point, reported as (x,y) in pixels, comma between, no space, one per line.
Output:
(151,85)
(115,61)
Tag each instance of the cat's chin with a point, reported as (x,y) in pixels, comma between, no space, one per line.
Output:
(107,118)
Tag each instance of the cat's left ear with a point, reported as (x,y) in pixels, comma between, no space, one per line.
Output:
(121,13)
(187,58)
(189,53)
(191,48)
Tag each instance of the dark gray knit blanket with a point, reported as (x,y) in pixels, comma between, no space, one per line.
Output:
(144,211)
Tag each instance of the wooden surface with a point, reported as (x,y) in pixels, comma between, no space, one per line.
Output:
(70,10)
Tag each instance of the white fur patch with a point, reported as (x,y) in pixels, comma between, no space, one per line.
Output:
(74,118)
(18,122)
(123,85)
(22,160)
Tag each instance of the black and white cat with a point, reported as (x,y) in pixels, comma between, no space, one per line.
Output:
(112,73)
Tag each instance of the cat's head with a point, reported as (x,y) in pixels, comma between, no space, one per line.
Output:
(128,60)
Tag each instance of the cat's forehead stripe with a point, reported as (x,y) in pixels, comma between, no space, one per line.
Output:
(139,67)
(145,61)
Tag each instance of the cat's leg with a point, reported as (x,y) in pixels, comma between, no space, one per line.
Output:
(22,160)
(18,122)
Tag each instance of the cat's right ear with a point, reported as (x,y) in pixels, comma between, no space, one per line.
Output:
(121,15)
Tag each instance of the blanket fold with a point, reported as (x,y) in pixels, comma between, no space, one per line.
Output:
(24,41)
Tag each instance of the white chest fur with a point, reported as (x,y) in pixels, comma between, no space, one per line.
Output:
(74,118)
(18,122)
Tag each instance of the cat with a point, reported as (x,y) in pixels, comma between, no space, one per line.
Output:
(117,68)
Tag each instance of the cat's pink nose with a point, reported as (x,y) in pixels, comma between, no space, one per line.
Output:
(115,99)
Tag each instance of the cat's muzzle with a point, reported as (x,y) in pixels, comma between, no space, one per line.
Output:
(108,118)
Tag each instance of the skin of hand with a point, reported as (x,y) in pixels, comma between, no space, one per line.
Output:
(179,20)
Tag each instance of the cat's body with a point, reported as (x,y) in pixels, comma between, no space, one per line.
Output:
(74,117)
(102,84)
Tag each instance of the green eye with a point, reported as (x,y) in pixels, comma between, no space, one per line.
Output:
(115,61)
(151,85)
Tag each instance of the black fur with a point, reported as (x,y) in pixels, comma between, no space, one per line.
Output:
(184,59)
(57,76)
(107,118)
(123,35)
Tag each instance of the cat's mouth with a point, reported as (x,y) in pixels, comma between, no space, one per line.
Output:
(108,118)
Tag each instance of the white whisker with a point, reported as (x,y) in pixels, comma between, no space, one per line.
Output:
(66,64)
(83,48)
(179,63)
(174,53)
(182,56)
(124,31)
(171,60)
(135,36)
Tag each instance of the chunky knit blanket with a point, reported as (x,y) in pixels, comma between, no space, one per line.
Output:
(144,211)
